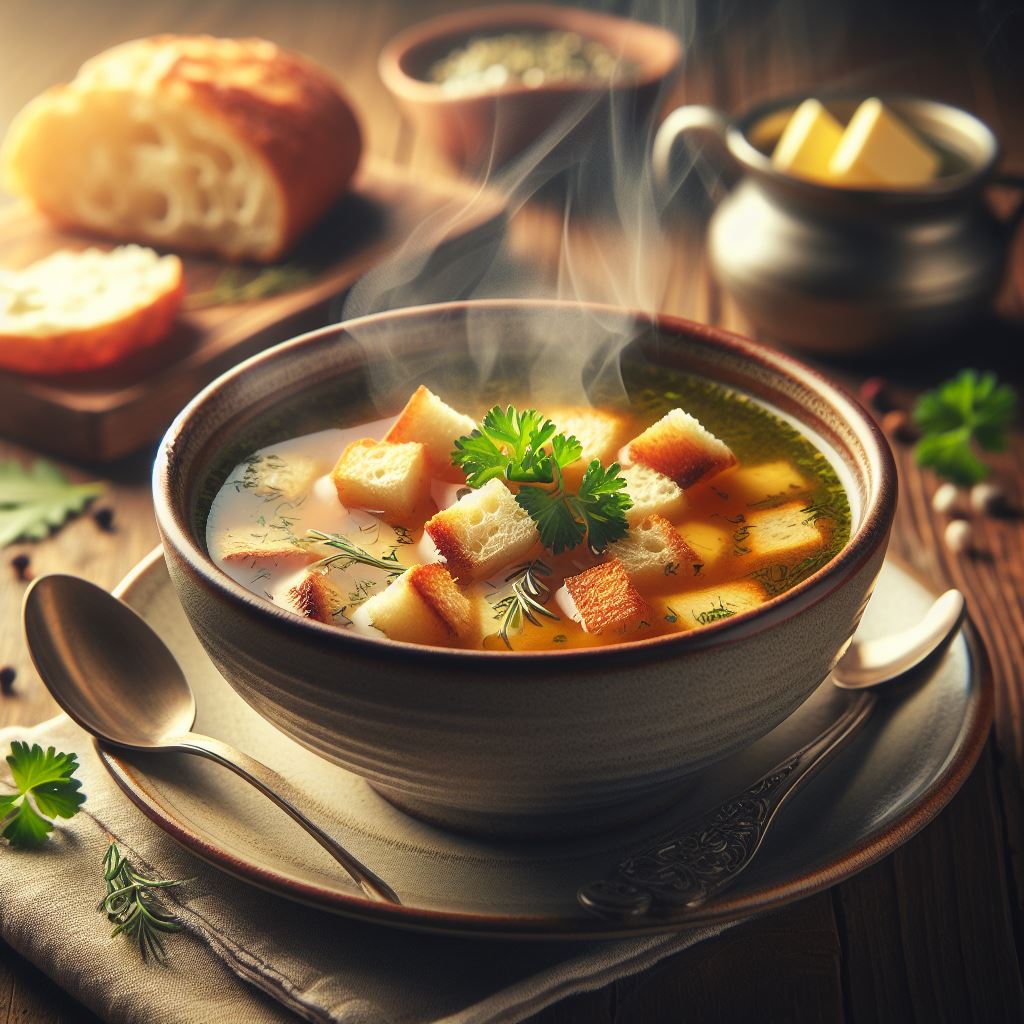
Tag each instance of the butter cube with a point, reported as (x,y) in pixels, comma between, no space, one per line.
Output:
(877,148)
(808,141)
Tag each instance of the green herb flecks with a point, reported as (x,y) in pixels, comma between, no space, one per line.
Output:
(36,499)
(46,790)
(235,284)
(523,597)
(133,907)
(525,447)
(351,554)
(971,411)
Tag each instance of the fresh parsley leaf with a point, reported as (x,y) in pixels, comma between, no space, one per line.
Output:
(604,501)
(526,448)
(510,444)
(35,499)
(45,787)
(558,522)
(972,409)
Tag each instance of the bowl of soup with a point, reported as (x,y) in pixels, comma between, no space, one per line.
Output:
(502,686)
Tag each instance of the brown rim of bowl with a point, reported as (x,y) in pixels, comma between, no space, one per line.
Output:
(873,530)
(739,131)
(871,849)
(653,63)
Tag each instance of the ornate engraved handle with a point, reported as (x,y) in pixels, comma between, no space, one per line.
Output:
(682,871)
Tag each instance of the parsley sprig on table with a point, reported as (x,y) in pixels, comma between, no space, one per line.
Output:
(526,448)
(37,498)
(46,790)
(973,410)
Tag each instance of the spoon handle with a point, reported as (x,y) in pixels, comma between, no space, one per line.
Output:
(683,870)
(270,784)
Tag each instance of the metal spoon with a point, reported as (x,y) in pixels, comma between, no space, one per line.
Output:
(116,678)
(682,871)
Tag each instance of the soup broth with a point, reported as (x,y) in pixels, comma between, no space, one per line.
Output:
(755,530)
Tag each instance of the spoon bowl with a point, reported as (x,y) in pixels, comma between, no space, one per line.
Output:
(113,675)
(104,665)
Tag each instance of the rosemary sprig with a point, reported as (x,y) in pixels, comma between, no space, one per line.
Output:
(231,285)
(524,601)
(132,906)
(352,554)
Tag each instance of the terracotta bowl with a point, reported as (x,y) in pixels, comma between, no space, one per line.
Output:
(478,131)
(512,742)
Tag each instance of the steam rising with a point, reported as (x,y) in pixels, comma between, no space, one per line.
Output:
(590,182)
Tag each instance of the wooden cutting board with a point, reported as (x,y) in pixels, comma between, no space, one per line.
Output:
(103,415)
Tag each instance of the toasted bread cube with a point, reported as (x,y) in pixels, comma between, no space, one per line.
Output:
(771,483)
(604,596)
(711,604)
(600,433)
(652,493)
(483,532)
(680,447)
(436,426)
(653,551)
(382,476)
(315,598)
(262,549)
(782,536)
(424,606)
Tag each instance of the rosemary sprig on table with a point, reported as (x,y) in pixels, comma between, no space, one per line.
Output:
(524,601)
(352,554)
(132,906)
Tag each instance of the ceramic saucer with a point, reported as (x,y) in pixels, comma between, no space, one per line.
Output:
(903,767)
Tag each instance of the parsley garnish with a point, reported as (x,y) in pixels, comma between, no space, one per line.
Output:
(34,499)
(972,409)
(45,790)
(526,448)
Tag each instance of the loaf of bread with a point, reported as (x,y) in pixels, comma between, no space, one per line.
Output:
(74,311)
(227,146)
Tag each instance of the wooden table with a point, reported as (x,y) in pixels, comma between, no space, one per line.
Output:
(929,933)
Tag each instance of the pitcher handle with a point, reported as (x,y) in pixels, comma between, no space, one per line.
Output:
(694,119)
(1014,181)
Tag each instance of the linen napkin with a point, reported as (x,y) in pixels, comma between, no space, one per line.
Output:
(245,954)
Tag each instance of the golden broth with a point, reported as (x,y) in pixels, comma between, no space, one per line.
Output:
(758,528)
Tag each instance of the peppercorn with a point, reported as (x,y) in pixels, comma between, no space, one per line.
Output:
(7,677)
(104,518)
(21,566)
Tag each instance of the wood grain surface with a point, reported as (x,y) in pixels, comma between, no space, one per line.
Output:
(931,933)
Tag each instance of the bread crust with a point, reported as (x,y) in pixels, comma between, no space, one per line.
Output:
(285,110)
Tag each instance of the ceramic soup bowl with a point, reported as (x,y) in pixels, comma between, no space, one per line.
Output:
(513,742)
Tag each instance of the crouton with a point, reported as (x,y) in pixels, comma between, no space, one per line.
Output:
(600,433)
(315,598)
(653,551)
(652,493)
(261,549)
(784,535)
(436,426)
(424,606)
(679,447)
(604,597)
(711,604)
(484,531)
(382,476)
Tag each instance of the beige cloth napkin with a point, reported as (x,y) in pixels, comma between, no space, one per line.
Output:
(246,955)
